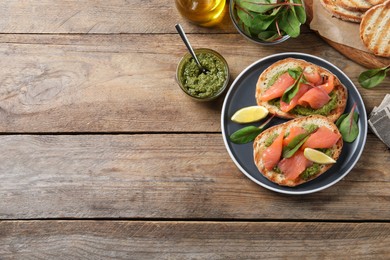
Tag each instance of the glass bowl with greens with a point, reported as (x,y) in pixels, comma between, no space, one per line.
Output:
(199,85)
(268,21)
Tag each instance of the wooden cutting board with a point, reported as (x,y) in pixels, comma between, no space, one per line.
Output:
(365,59)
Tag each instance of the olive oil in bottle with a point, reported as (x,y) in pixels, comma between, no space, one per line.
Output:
(202,12)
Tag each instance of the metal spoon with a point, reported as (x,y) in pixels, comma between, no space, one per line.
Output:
(188,45)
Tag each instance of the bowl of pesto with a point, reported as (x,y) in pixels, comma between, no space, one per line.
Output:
(203,86)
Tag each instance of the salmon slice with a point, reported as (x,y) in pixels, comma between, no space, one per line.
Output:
(303,88)
(313,77)
(294,131)
(278,88)
(315,98)
(271,155)
(322,138)
(292,167)
(329,85)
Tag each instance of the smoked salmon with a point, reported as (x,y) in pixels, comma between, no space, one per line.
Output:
(271,155)
(313,77)
(292,167)
(303,88)
(329,85)
(322,138)
(315,98)
(324,133)
(281,75)
(279,87)
(294,131)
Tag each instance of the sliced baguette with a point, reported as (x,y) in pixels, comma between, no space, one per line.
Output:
(355,5)
(282,66)
(376,2)
(279,178)
(334,8)
(375,29)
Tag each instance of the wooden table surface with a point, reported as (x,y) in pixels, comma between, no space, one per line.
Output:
(103,157)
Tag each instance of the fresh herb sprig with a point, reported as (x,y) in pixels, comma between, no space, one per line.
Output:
(372,78)
(248,133)
(270,20)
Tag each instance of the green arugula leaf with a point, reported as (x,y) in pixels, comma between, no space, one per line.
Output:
(372,78)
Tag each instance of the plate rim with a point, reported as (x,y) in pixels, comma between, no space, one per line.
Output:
(264,185)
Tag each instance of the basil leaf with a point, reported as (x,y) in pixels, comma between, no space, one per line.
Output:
(289,23)
(299,11)
(294,145)
(372,78)
(348,127)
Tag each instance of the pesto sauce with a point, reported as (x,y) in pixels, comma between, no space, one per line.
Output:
(203,85)
(325,110)
(315,168)
(270,139)
(310,171)
(310,128)
(277,75)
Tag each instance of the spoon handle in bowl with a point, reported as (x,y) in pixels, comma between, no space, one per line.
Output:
(187,43)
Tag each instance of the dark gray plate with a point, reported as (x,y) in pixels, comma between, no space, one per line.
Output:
(242,94)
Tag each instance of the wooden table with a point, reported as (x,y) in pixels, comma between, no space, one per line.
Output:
(102,156)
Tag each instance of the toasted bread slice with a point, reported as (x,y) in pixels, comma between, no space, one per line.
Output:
(375,29)
(376,2)
(279,178)
(355,5)
(338,11)
(281,66)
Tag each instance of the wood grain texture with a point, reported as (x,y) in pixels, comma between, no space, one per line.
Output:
(192,240)
(169,176)
(97,17)
(103,83)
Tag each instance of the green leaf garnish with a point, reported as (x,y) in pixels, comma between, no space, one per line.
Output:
(297,142)
(249,133)
(269,20)
(291,91)
(372,78)
(348,126)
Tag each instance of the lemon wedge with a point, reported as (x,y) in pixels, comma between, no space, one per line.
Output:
(317,156)
(249,114)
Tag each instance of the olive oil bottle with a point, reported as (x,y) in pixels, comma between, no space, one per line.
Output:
(202,12)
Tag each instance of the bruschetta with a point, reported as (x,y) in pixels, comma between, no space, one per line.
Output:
(311,89)
(277,158)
